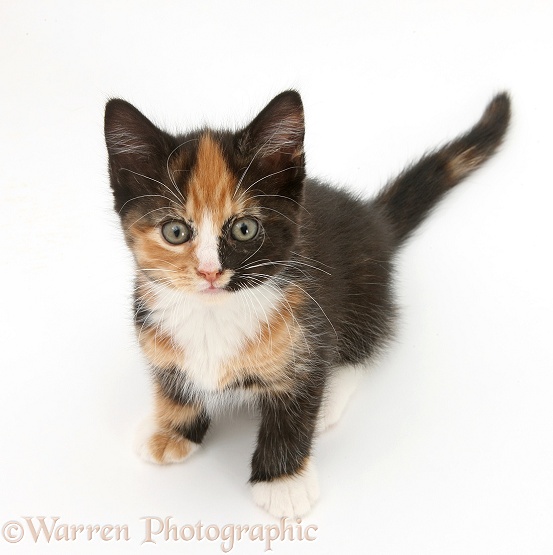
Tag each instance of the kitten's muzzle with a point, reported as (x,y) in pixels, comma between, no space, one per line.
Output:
(211,277)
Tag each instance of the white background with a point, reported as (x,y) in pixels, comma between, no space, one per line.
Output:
(447,447)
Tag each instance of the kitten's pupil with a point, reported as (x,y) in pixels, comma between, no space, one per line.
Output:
(244,229)
(176,231)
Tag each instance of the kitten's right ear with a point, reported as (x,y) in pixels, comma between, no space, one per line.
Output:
(132,140)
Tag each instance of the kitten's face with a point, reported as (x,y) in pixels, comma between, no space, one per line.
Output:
(209,212)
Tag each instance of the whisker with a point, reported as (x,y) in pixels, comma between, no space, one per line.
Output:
(254,157)
(294,284)
(266,177)
(290,263)
(157,270)
(285,198)
(283,215)
(266,319)
(171,175)
(278,311)
(288,309)
(312,259)
(144,215)
(166,262)
(144,196)
(177,202)
(256,251)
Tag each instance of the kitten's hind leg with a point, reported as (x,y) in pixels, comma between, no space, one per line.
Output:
(340,386)
(174,432)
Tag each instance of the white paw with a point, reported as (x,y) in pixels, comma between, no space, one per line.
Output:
(292,496)
(340,388)
(161,447)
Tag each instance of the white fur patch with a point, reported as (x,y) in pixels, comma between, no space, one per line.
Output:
(292,496)
(144,431)
(211,331)
(339,389)
(207,249)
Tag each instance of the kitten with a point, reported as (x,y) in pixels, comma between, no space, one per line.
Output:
(255,284)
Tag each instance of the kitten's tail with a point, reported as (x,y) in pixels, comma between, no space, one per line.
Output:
(407,199)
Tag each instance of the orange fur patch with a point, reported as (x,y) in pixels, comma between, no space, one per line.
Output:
(211,185)
(170,415)
(165,447)
(267,355)
(174,263)
(159,349)
(465,162)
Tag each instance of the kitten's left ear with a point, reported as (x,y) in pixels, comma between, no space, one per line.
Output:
(275,136)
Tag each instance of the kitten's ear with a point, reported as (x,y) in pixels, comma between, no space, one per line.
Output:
(134,143)
(275,136)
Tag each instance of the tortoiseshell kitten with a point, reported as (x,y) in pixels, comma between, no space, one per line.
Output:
(256,284)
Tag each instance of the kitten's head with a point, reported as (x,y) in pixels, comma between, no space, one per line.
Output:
(210,211)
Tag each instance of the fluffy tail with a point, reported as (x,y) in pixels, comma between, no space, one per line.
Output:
(408,198)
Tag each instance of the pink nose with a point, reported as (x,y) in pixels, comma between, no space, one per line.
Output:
(209,276)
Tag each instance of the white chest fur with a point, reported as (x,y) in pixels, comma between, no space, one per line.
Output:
(212,330)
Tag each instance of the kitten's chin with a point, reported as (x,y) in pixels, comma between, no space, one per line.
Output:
(213,291)
(213,294)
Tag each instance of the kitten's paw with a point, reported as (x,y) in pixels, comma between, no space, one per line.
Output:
(161,447)
(291,496)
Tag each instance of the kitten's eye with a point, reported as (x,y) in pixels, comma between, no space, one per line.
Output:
(244,229)
(175,233)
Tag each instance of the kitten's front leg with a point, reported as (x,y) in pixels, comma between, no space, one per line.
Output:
(284,479)
(174,431)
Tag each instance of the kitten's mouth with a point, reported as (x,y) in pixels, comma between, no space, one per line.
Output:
(213,287)
(212,290)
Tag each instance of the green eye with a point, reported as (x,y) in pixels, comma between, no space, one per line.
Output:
(175,233)
(244,229)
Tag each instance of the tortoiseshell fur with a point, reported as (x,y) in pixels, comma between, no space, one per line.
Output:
(270,321)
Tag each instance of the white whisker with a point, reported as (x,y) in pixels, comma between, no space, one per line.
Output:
(150,212)
(252,160)
(285,198)
(266,177)
(177,202)
(144,196)
(171,175)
